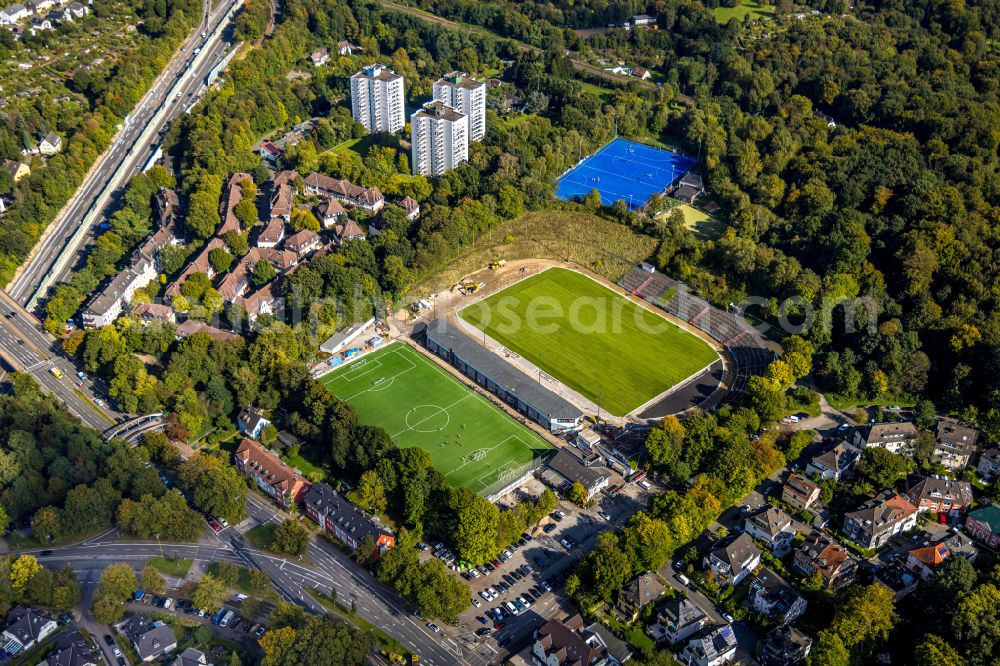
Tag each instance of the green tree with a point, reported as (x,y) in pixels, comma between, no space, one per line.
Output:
(246,212)
(220,259)
(475,531)
(262,273)
(664,443)
(259,581)
(883,467)
(829,650)
(152,580)
(290,537)
(867,614)
(228,573)
(977,623)
(577,494)
(371,492)
(117,582)
(935,651)
(46,524)
(547,503)
(209,593)
(22,570)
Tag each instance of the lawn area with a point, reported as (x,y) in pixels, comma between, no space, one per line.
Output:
(243,584)
(171,566)
(471,442)
(591,338)
(261,536)
(359,145)
(701,223)
(308,469)
(755,9)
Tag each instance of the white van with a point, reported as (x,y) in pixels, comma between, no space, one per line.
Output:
(683,579)
(645,485)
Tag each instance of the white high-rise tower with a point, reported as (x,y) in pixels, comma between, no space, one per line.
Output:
(377,99)
(466,95)
(439,139)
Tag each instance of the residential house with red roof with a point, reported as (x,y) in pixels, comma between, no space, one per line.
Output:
(284,485)
(366,198)
(880,519)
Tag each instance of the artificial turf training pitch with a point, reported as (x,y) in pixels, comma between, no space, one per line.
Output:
(590,338)
(471,441)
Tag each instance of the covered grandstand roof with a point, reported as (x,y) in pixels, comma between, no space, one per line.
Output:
(501,372)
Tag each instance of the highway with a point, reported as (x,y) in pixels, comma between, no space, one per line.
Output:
(26,346)
(324,569)
(178,86)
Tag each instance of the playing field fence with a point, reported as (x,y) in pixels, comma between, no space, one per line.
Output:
(498,483)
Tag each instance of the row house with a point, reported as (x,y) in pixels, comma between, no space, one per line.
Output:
(147,313)
(227,207)
(938,494)
(282,195)
(880,519)
(557,643)
(272,475)
(200,264)
(272,233)
(344,520)
(262,302)
(303,242)
(237,281)
(191,326)
(369,199)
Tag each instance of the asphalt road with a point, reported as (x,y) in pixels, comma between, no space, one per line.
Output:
(178,86)
(324,569)
(26,346)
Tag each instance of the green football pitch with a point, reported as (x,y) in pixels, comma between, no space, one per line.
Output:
(471,441)
(590,338)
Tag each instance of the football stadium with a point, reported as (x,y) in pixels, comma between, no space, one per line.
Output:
(472,442)
(624,170)
(591,339)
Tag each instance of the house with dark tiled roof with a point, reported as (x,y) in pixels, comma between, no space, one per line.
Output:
(269,151)
(715,647)
(983,525)
(151,639)
(678,619)
(191,657)
(284,485)
(251,422)
(733,559)
(345,520)
(836,463)
(346,229)
(771,526)
(878,520)
(636,594)
(771,595)
(954,444)
(898,437)
(834,562)
(72,650)
(783,646)
(799,491)
(901,581)
(989,465)
(938,494)
(25,628)
(192,326)
(563,644)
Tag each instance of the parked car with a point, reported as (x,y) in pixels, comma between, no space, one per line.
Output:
(260,632)
(110,642)
(433,627)
(526,569)
(476,602)
(604,515)
(483,631)
(550,528)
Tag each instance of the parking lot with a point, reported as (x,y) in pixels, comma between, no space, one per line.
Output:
(529,575)
(236,628)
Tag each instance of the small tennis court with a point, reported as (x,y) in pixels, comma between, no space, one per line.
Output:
(472,442)
(625,170)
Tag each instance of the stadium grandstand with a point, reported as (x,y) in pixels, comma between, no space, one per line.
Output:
(750,355)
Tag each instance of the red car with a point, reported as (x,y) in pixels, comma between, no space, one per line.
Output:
(216,527)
